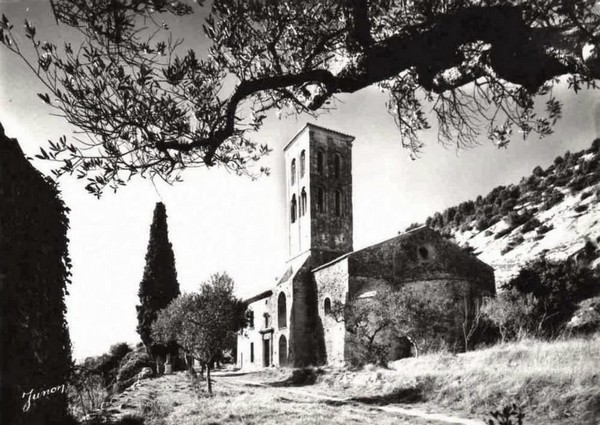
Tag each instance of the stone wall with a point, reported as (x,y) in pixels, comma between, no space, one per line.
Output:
(331,236)
(332,284)
(421,255)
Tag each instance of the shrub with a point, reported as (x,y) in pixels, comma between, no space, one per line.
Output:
(544,228)
(558,286)
(482,224)
(586,318)
(509,415)
(595,146)
(531,224)
(504,232)
(580,208)
(577,184)
(131,365)
(555,198)
(586,194)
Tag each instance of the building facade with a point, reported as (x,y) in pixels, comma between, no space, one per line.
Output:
(292,322)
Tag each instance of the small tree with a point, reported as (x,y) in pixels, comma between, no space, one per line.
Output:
(200,323)
(159,284)
(373,322)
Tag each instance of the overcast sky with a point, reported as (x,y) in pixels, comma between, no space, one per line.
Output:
(221,222)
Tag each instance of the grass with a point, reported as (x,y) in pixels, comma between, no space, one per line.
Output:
(558,382)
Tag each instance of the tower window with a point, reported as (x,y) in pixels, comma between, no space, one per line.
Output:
(338,203)
(320,200)
(293,209)
(251,352)
(320,163)
(337,165)
(302,163)
(423,253)
(267,320)
(303,202)
(293,171)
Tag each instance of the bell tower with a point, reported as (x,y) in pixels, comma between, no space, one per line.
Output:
(318,164)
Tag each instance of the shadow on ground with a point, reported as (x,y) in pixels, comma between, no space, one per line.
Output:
(299,378)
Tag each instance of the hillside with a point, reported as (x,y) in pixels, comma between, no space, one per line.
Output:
(555,211)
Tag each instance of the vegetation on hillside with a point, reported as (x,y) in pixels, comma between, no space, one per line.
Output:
(517,204)
(159,285)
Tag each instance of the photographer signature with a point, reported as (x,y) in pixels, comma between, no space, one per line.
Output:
(32,396)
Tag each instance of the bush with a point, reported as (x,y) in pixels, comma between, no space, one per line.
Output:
(580,208)
(504,232)
(586,194)
(586,319)
(482,224)
(530,225)
(544,228)
(131,365)
(557,287)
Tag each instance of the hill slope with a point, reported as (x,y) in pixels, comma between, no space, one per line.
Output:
(555,212)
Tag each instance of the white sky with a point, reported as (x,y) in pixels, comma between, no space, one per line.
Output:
(221,222)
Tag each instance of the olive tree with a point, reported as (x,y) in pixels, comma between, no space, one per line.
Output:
(201,322)
(149,107)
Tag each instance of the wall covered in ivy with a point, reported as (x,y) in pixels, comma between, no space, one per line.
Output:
(35,356)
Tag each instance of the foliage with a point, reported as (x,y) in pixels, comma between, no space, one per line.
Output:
(130,366)
(35,348)
(541,299)
(159,284)
(586,318)
(149,108)
(518,204)
(374,323)
(200,323)
(509,415)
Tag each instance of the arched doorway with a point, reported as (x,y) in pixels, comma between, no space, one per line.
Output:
(283,357)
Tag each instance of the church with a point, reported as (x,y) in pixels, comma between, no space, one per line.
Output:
(292,323)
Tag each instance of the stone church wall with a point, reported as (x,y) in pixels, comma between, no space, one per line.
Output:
(332,284)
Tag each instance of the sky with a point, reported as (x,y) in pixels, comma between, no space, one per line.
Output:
(222,222)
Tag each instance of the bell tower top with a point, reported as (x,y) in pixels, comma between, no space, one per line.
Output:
(318,163)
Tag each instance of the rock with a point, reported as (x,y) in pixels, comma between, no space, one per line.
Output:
(146,372)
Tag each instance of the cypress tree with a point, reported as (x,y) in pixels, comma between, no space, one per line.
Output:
(159,284)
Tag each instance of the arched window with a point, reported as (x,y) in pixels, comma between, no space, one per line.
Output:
(320,200)
(267,321)
(302,163)
(337,165)
(293,209)
(293,171)
(320,163)
(327,306)
(303,202)
(283,351)
(281,311)
(338,203)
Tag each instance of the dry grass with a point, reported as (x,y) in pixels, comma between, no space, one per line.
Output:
(559,381)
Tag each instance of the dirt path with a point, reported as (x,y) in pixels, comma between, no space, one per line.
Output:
(307,392)
(240,399)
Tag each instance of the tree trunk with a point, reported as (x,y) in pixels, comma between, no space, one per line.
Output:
(208,383)
(190,366)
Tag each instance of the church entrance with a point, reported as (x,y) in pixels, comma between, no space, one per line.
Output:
(283,357)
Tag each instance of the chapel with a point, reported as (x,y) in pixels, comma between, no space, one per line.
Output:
(292,322)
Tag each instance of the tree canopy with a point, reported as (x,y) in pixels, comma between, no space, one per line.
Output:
(159,285)
(200,323)
(148,107)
